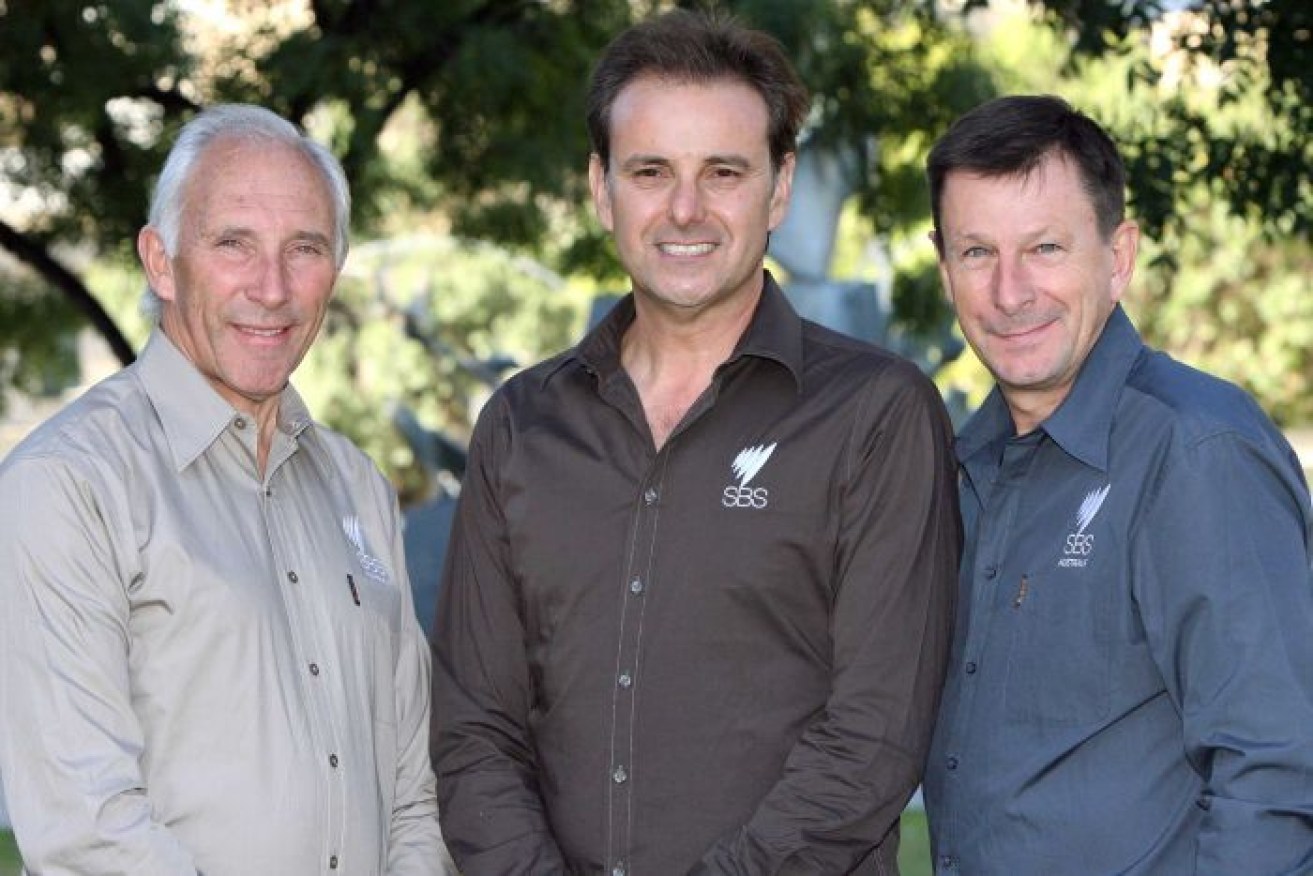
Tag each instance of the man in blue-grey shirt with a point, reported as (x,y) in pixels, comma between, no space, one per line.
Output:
(1131,687)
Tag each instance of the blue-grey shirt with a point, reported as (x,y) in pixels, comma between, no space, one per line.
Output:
(1131,686)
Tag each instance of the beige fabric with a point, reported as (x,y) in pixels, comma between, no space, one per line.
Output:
(201,670)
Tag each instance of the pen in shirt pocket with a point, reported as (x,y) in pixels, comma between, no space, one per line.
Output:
(1016,603)
(355,593)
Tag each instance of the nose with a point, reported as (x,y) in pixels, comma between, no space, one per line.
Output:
(1014,289)
(686,202)
(270,284)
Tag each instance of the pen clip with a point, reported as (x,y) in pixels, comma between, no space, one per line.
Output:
(355,593)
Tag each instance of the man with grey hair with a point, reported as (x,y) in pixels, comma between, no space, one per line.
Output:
(209,662)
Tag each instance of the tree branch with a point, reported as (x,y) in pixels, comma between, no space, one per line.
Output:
(36,256)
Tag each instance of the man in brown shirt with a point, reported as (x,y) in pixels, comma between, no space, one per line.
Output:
(698,598)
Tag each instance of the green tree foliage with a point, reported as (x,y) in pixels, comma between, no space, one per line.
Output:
(430,323)
(471,110)
(33,359)
(1237,50)
(82,91)
(491,91)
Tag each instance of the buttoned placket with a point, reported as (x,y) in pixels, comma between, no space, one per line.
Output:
(306,643)
(998,504)
(635,594)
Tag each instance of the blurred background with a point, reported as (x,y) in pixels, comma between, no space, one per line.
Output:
(460,125)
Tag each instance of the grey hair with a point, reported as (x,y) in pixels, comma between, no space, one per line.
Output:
(243,122)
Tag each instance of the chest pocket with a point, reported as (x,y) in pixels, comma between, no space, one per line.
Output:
(1060,656)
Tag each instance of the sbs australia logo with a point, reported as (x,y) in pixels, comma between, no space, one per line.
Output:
(746,466)
(372,566)
(1080,544)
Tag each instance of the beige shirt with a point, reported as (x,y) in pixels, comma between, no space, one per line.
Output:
(201,670)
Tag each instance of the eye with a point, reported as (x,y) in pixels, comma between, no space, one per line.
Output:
(974,252)
(1048,249)
(724,177)
(310,249)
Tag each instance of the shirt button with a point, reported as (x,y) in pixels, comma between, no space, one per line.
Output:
(636,586)
(239,422)
(291,576)
(650,496)
(268,492)
(314,668)
(618,870)
(991,572)
(970,667)
(619,776)
(947,861)
(625,680)
(951,763)
(332,761)
(332,862)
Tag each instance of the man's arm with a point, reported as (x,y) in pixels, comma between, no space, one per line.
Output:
(1224,586)
(70,742)
(493,816)
(415,840)
(846,781)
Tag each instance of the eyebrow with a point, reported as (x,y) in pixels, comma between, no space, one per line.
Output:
(641,160)
(314,237)
(246,231)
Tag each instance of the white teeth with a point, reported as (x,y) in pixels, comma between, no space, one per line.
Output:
(687,249)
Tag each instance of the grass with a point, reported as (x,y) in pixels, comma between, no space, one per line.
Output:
(913,852)
(914,848)
(10,865)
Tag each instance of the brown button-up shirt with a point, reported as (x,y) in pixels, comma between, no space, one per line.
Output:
(721,656)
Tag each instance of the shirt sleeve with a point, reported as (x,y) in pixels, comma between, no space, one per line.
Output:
(848,778)
(493,815)
(70,743)
(415,839)
(1224,586)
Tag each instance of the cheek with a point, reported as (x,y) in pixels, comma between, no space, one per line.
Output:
(967,303)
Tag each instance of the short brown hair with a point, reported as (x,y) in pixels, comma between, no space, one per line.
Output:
(695,47)
(1013,135)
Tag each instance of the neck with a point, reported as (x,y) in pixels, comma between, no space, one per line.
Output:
(672,361)
(1028,410)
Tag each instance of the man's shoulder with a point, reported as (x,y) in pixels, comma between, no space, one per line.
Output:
(89,427)
(834,356)
(1194,402)
(537,383)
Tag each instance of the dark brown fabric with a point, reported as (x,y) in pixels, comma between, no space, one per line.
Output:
(723,657)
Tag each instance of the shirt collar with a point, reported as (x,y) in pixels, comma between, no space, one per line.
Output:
(1082,424)
(192,414)
(774,333)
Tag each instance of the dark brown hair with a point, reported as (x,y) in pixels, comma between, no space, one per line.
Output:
(1013,135)
(695,47)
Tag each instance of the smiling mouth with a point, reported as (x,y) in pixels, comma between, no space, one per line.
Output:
(686,249)
(258,332)
(1021,333)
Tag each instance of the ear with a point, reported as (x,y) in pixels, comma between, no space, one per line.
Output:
(597,183)
(156,263)
(937,241)
(779,199)
(945,280)
(1125,245)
